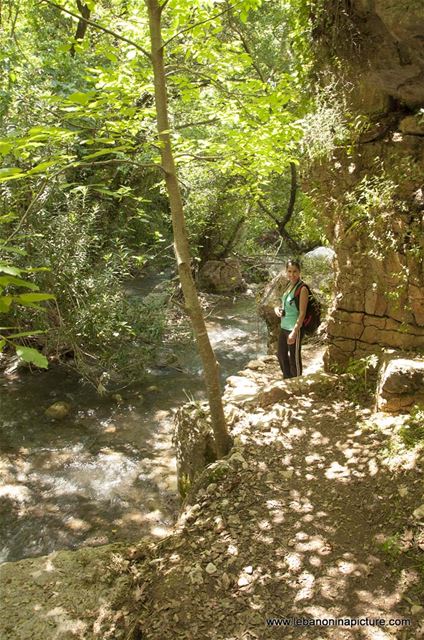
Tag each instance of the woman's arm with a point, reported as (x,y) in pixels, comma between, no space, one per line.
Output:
(303,303)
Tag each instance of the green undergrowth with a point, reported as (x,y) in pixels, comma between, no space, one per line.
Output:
(412,432)
(359,378)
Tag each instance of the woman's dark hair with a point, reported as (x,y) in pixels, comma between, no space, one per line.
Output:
(293,263)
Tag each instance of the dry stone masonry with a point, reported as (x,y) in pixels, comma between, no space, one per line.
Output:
(373,193)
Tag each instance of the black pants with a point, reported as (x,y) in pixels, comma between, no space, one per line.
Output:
(289,355)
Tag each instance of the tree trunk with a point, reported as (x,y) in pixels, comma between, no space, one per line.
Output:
(293,192)
(82,24)
(181,245)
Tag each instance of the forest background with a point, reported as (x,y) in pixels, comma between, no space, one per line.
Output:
(84,206)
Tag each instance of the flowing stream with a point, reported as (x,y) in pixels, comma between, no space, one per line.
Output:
(106,472)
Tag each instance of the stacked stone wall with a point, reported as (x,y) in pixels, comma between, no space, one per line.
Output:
(379,246)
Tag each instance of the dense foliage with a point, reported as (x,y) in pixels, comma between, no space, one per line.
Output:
(82,190)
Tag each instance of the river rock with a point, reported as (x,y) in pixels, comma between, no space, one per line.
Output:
(166,358)
(322,254)
(58,410)
(401,383)
(240,388)
(221,276)
(153,389)
(412,125)
(271,298)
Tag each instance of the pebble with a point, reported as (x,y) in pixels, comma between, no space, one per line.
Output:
(243,581)
(211,568)
(58,410)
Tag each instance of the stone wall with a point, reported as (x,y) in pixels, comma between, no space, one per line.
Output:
(372,194)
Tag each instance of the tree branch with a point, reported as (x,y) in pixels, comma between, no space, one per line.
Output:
(268,213)
(291,243)
(82,24)
(147,165)
(219,85)
(38,195)
(187,125)
(293,191)
(196,157)
(197,24)
(232,239)
(96,25)
(246,46)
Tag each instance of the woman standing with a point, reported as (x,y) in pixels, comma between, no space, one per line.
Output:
(292,313)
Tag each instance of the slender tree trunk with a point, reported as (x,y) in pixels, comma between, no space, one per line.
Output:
(82,24)
(181,245)
(293,192)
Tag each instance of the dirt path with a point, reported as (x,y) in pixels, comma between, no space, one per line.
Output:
(307,520)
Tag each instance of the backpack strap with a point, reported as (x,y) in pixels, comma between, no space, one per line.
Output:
(297,292)
(299,287)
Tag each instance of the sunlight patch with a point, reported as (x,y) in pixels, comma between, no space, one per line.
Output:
(337,472)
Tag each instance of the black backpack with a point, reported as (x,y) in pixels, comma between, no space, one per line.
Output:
(313,310)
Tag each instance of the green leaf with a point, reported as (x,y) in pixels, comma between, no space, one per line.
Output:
(17,250)
(10,173)
(6,268)
(104,152)
(8,217)
(5,147)
(32,355)
(5,302)
(28,298)
(2,344)
(111,56)
(41,167)
(80,98)
(25,334)
(17,282)
(63,48)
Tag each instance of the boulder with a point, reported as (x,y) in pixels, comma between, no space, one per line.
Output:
(318,267)
(58,410)
(221,276)
(240,389)
(320,383)
(271,298)
(401,383)
(412,125)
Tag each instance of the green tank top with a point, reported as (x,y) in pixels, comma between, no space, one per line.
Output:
(291,313)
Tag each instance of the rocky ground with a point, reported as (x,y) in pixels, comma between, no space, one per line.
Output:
(315,515)
(311,517)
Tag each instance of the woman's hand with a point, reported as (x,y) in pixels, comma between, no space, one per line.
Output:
(292,337)
(278,311)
